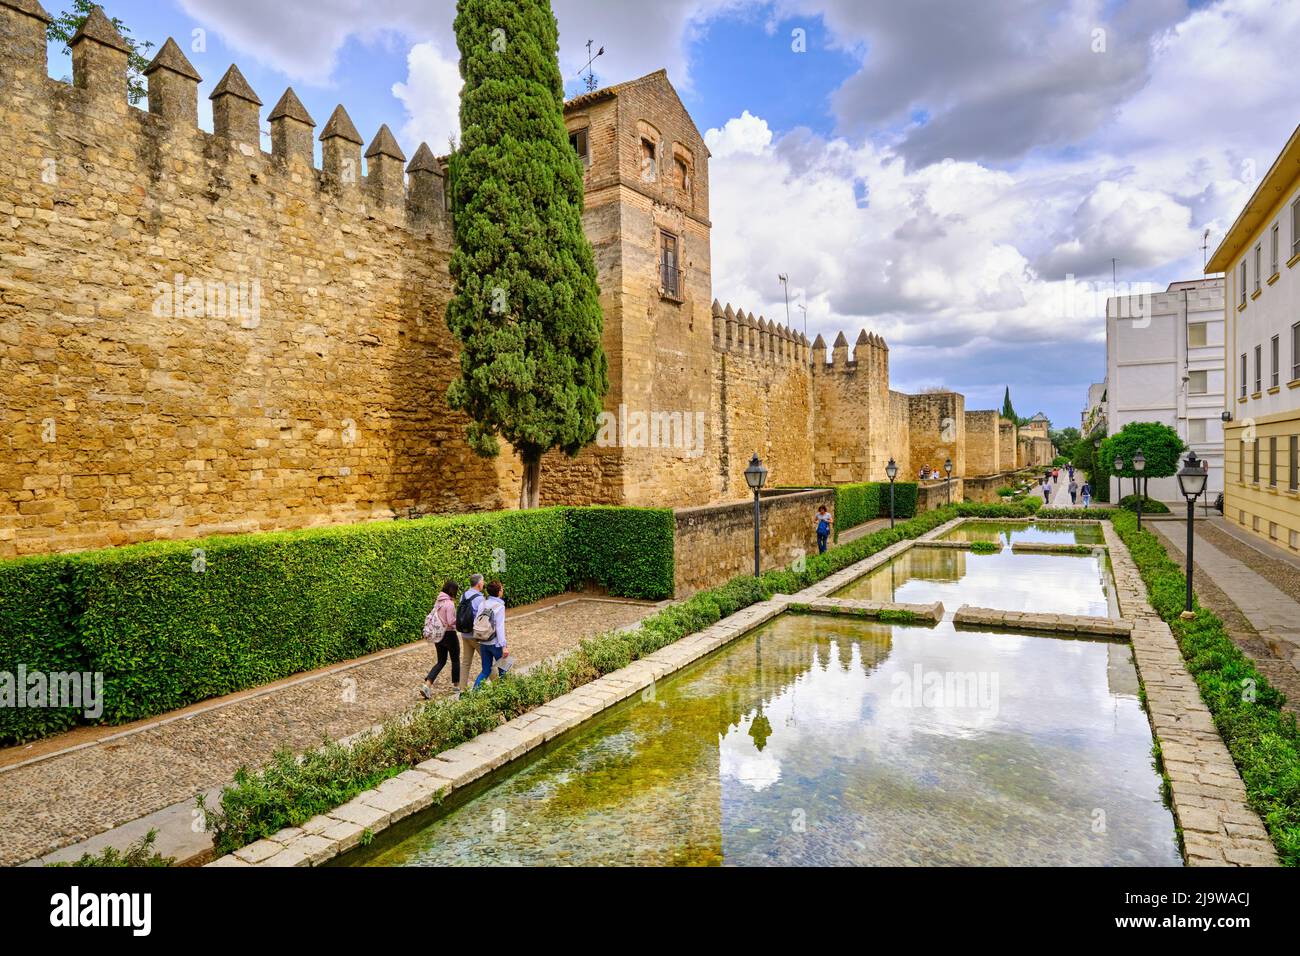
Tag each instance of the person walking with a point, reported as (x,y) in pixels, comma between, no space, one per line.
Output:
(823,528)
(1086,493)
(1074,491)
(490,632)
(471,602)
(440,631)
(1047,492)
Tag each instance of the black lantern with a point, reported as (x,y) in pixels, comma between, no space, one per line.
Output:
(947,471)
(891,472)
(1191,482)
(756,477)
(1139,463)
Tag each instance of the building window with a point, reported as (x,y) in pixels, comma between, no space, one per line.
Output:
(1196,335)
(1272,462)
(1295,351)
(1259,264)
(1272,530)
(1196,430)
(669,273)
(1275,361)
(1243,374)
(578,140)
(1242,282)
(1293,480)
(1259,368)
(1198,383)
(649,162)
(1274,248)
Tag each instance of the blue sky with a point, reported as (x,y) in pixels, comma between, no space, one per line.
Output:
(937,171)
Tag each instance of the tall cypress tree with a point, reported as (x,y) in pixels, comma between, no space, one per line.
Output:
(526,307)
(1008,412)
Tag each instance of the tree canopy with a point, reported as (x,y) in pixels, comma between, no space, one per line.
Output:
(526,308)
(65,26)
(1159,444)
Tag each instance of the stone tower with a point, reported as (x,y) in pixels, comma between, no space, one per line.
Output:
(647,216)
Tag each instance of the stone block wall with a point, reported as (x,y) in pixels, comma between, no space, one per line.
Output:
(983,447)
(715,543)
(938,430)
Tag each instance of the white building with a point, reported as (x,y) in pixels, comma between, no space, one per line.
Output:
(1164,363)
(1094,412)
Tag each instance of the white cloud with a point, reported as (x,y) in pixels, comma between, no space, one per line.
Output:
(431,95)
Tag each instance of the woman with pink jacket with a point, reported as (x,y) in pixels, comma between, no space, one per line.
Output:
(440,631)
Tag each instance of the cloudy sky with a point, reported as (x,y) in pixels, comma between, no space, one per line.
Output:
(955,175)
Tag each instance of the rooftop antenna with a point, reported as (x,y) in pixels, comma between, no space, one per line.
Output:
(589,80)
(804,309)
(785,283)
(1114,285)
(1205,249)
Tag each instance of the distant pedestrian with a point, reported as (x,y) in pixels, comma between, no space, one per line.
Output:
(823,528)
(490,632)
(1074,492)
(1086,492)
(1047,492)
(466,613)
(440,631)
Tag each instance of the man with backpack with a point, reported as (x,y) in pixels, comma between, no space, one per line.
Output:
(490,633)
(471,602)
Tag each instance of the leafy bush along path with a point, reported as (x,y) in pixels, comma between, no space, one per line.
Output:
(172,623)
(1262,738)
(292,788)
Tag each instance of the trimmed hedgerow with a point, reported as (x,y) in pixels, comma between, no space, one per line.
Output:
(629,551)
(1262,738)
(172,623)
(866,501)
(38,612)
(293,788)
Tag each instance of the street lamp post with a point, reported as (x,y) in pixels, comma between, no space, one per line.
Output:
(755,476)
(1191,482)
(1139,462)
(891,470)
(1119,466)
(947,481)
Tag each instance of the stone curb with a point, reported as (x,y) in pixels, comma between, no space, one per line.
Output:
(1206,793)
(844,607)
(959,545)
(1030,621)
(1046,547)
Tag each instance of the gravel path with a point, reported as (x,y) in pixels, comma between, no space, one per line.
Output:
(76,794)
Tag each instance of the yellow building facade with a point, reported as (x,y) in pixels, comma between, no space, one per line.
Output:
(1260,260)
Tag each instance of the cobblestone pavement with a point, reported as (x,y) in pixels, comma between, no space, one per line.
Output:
(1241,585)
(74,795)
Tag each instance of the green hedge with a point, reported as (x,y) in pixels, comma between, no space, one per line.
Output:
(1262,738)
(293,788)
(172,623)
(866,501)
(37,631)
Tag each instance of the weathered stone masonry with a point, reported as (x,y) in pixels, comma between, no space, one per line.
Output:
(198,336)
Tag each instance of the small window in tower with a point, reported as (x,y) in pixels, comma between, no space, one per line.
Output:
(670,272)
(578,140)
(649,165)
(681,174)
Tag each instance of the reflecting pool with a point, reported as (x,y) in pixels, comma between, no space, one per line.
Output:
(1043,583)
(1011,532)
(837,741)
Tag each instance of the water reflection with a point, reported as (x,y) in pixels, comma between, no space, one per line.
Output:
(1045,583)
(839,741)
(1012,532)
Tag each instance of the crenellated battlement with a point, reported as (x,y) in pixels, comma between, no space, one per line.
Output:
(740,333)
(869,352)
(378,184)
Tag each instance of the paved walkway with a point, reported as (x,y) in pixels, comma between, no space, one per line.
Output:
(866,528)
(80,785)
(1256,593)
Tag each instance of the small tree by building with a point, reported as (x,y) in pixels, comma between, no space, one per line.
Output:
(1159,444)
(526,308)
(65,26)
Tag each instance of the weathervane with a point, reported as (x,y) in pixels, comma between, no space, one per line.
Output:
(589,80)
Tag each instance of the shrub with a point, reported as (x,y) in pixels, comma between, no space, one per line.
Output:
(1149,505)
(38,614)
(984,547)
(855,504)
(138,854)
(171,623)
